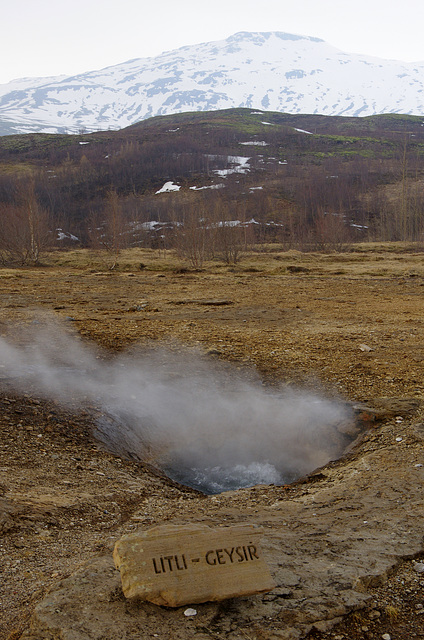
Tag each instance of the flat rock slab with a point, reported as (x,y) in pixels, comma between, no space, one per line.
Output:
(174,565)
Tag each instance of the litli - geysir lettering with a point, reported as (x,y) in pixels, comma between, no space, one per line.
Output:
(213,557)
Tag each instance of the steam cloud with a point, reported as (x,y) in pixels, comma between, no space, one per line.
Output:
(198,420)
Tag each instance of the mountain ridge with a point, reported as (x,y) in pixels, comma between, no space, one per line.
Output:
(274,71)
(290,175)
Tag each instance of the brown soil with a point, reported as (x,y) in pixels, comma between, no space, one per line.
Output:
(350,325)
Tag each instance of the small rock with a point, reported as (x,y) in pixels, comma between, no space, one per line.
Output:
(190,612)
(373,615)
(386,636)
(419,567)
(18,545)
(399,439)
(365,348)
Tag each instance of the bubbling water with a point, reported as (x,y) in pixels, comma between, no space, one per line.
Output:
(213,480)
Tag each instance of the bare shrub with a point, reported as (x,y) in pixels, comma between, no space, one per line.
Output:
(107,230)
(25,227)
(192,233)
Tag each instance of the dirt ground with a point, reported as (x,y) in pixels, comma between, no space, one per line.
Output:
(345,544)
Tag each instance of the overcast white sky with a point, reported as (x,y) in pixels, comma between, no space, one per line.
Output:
(54,37)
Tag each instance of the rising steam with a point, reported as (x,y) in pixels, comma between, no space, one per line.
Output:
(198,420)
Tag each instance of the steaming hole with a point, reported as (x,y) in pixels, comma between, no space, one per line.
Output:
(209,469)
(199,421)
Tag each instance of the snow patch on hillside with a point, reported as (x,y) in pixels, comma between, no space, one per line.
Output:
(168,187)
(212,186)
(255,143)
(239,164)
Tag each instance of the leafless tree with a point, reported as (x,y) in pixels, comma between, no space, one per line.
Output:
(107,230)
(25,227)
(191,231)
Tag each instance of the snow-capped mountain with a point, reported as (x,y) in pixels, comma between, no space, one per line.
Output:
(271,71)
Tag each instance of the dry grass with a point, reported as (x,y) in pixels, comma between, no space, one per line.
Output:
(392,613)
(365,260)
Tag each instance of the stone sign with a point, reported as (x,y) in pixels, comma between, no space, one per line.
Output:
(174,565)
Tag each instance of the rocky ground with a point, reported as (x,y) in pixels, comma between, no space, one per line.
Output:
(345,544)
